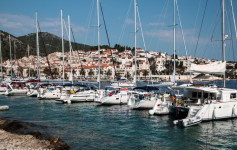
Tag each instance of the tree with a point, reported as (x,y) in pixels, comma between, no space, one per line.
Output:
(153,68)
(46,72)
(32,72)
(91,73)
(82,72)
(65,75)
(73,72)
(55,72)
(145,73)
(181,64)
(20,69)
(128,75)
(109,73)
(151,60)
(118,75)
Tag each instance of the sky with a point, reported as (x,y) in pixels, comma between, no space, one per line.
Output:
(197,35)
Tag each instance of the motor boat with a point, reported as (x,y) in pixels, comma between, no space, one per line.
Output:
(209,103)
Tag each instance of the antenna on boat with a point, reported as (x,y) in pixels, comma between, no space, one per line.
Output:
(98,28)
(62,42)
(223,38)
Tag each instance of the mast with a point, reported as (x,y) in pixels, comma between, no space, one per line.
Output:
(70,46)
(62,42)
(98,28)
(37,47)
(10,53)
(28,49)
(135,41)
(1,54)
(174,46)
(15,67)
(223,37)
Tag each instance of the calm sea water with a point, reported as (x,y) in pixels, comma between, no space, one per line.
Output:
(88,126)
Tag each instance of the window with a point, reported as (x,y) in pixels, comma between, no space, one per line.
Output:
(194,94)
(205,95)
(199,94)
(233,95)
(212,95)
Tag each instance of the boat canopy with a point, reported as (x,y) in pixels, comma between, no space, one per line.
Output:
(147,88)
(212,68)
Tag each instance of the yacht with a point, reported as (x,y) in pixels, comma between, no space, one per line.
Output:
(143,97)
(16,89)
(115,97)
(81,93)
(32,90)
(209,103)
(169,102)
(66,91)
(49,92)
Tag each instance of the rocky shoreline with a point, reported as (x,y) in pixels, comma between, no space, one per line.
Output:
(21,135)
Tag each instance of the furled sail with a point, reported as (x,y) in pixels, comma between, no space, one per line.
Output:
(70,77)
(218,67)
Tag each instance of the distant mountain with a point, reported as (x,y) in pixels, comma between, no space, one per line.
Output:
(20,47)
(52,44)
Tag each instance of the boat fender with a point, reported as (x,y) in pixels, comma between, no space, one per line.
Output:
(214,113)
(72,91)
(234,110)
(172,98)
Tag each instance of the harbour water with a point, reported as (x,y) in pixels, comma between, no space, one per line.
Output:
(88,126)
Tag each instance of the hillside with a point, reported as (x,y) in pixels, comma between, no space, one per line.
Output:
(20,46)
(52,44)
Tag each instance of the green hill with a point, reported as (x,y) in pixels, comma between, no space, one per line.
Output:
(52,44)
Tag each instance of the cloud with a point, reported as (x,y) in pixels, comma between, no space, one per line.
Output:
(50,22)
(129,21)
(164,39)
(156,24)
(78,28)
(16,23)
(167,36)
(20,24)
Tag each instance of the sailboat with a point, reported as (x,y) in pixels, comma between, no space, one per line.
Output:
(212,103)
(141,97)
(120,95)
(165,103)
(15,87)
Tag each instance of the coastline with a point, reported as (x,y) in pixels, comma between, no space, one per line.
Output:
(19,135)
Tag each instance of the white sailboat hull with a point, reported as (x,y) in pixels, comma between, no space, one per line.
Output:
(16,92)
(49,96)
(85,96)
(32,93)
